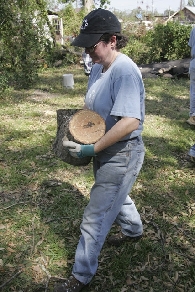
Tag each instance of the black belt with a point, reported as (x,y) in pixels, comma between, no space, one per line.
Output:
(131,139)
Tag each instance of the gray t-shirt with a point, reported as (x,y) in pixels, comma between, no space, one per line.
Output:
(119,92)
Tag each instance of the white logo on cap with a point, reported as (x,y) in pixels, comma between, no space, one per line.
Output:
(84,24)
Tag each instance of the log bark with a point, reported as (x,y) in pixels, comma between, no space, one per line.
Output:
(63,118)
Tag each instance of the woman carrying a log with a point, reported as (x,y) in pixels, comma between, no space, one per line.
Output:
(116,92)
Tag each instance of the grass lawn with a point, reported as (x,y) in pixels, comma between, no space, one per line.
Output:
(42,198)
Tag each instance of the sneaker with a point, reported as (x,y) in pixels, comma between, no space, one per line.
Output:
(191,153)
(191,120)
(70,285)
(119,238)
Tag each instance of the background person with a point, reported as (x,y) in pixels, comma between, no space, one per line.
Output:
(191,43)
(87,63)
(116,92)
(191,153)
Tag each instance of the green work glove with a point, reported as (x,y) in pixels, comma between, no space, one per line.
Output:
(78,150)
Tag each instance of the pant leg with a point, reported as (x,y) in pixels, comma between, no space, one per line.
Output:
(192,88)
(129,219)
(116,170)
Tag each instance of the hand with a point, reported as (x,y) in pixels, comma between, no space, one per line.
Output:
(78,150)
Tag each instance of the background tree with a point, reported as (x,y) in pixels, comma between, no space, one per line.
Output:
(84,3)
(191,3)
(71,20)
(168,12)
(23,41)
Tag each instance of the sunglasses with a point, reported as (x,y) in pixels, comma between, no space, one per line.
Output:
(92,48)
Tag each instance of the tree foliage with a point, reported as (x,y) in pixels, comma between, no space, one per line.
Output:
(168,42)
(161,43)
(191,3)
(72,20)
(23,41)
(100,3)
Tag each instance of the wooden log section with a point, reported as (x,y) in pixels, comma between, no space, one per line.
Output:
(63,118)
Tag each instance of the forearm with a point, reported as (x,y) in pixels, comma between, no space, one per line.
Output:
(122,128)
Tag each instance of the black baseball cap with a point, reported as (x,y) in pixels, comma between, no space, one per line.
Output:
(94,25)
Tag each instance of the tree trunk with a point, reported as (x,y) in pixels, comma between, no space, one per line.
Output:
(88,4)
(171,69)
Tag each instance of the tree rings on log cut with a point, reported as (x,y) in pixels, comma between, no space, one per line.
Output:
(87,127)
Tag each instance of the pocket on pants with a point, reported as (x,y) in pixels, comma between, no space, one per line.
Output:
(112,169)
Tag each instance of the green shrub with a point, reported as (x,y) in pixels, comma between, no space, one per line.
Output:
(168,42)
(23,41)
(137,51)
(162,43)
